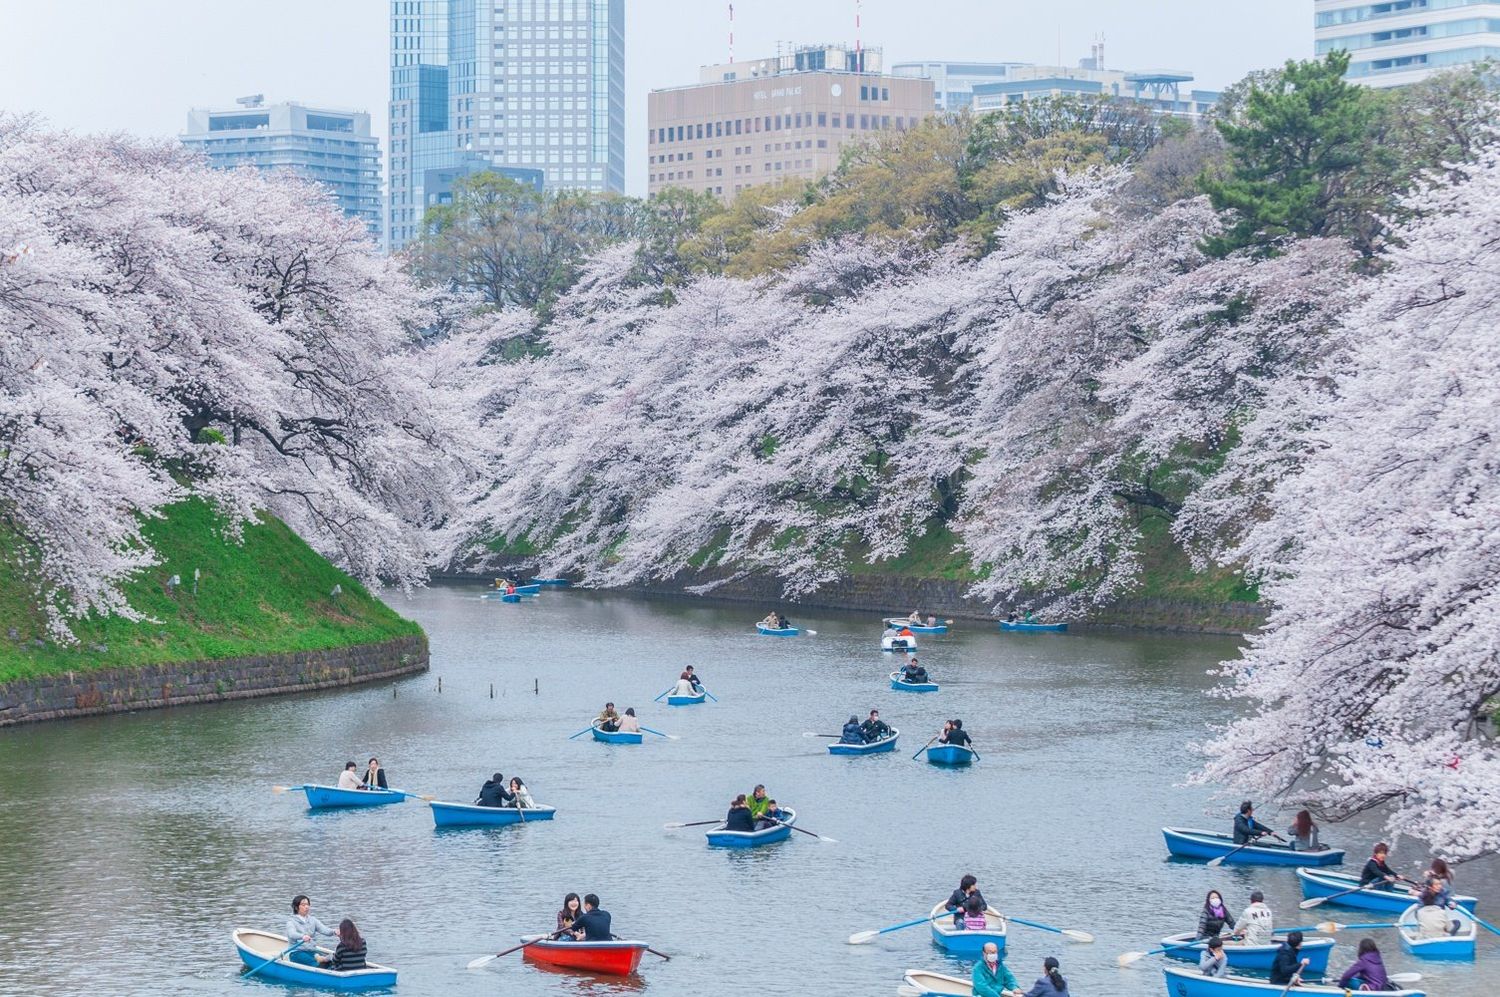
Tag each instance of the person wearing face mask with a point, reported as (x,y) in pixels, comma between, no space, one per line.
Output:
(991,978)
(1214,918)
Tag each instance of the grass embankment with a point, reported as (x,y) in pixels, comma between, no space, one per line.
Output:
(272,593)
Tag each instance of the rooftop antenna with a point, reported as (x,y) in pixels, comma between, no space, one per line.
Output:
(254,100)
(859,55)
(1100,63)
(731,34)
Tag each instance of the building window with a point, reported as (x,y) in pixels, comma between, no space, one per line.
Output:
(849,122)
(737,123)
(822,119)
(864,93)
(885,93)
(864,122)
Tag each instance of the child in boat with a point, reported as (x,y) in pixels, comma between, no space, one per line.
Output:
(974,919)
(770,818)
(1213,961)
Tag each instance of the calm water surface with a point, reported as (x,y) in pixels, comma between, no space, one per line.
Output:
(131,846)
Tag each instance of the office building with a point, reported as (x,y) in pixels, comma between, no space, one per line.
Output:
(1159,91)
(953,83)
(1402,41)
(332,147)
(749,123)
(524,85)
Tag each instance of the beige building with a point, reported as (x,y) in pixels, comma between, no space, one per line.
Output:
(750,123)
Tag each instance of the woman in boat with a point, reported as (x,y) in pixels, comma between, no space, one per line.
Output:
(493,793)
(1213,962)
(303,928)
(571,908)
(991,977)
(374,777)
(1434,919)
(349,954)
(851,733)
(521,794)
(1376,872)
(1214,918)
(1439,870)
(915,617)
(1368,971)
(628,723)
(974,919)
(1304,833)
(739,817)
(1051,982)
(770,620)
(954,733)
(349,778)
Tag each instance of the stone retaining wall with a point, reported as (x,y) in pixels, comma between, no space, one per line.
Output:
(117,690)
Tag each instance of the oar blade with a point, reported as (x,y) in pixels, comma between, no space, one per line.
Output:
(827,840)
(905,991)
(1076,935)
(1404,978)
(1312,902)
(483,960)
(1216,861)
(863,937)
(1129,958)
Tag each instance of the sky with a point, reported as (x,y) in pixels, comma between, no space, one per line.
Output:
(138,65)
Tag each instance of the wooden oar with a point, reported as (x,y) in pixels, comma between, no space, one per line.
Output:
(862,937)
(485,960)
(1071,933)
(1131,958)
(670,737)
(925,746)
(1312,902)
(251,972)
(820,837)
(673,825)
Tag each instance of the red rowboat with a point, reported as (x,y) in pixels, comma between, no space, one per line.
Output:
(618,958)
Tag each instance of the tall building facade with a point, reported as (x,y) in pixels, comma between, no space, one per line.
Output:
(527,85)
(1396,42)
(756,122)
(953,83)
(332,147)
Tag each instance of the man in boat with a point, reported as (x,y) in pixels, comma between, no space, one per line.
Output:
(758,802)
(692,677)
(954,734)
(874,728)
(991,977)
(303,930)
(1433,918)
(968,887)
(852,733)
(913,673)
(1257,923)
(915,617)
(494,794)
(593,924)
(1288,963)
(770,620)
(374,777)
(1246,827)
(349,778)
(1376,872)
(782,623)
(608,720)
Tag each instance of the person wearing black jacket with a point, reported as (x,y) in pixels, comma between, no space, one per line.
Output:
(1246,827)
(1288,962)
(494,794)
(739,817)
(874,728)
(967,887)
(852,732)
(593,924)
(374,777)
(954,733)
(1376,872)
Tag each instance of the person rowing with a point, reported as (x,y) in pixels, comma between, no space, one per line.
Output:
(991,977)
(302,930)
(1376,872)
(1247,828)
(915,617)
(739,817)
(593,925)
(771,817)
(968,887)
(520,794)
(852,734)
(1051,983)
(954,734)
(1287,965)
(374,777)
(608,720)
(913,673)
(494,794)
(759,802)
(628,723)
(1257,925)
(874,728)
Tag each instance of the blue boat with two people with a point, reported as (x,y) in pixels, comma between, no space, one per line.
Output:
(1192,843)
(1257,958)
(1325,883)
(887,743)
(1187,982)
(264,955)
(473,815)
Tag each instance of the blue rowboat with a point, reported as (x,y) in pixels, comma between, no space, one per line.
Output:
(1191,843)
(1252,957)
(257,947)
(509,597)
(766,631)
(720,838)
(887,743)
(1322,883)
(1032,628)
(1459,946)
(552,582)
(1191,983)
(676,700)
(929,984)
(890,642)
(616,736)
(917,628)
(968,942)
(949,754)
(900,686)
(470,815)
(328,797)
(533,589)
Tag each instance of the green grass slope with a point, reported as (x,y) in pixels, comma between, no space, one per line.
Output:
(271,593)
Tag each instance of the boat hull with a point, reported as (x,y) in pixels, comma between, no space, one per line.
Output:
(332,798)
(929,984)
(1191,983)
(256,947)
(1252,957)
(873,748)
(766,631)
(675,700)
(718,838)
(898,643)
(1033,628)
(950,754)
(470,815)
(918,628)
(617,736)
(966,942)
(1322,883)
(619,958)
(1459,946)
(507,597)
(901,686)
(1192,843)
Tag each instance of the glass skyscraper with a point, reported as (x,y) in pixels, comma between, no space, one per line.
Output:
(334,148)
(1395,42)
(524,85)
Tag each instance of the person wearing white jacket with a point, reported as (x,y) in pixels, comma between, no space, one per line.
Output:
(1257,924)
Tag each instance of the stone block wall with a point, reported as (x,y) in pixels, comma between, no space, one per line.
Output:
(117,690)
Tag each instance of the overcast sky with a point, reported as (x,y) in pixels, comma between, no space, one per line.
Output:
(138,65)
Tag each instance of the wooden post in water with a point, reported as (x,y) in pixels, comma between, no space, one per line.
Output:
(492,690)
(536,686)
(440,683)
